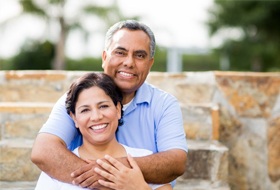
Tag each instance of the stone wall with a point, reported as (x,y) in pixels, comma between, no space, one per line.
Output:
(249,119)
(239,109)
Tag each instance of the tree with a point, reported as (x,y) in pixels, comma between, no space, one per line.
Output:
(34,55)
(256,22)
(56,13)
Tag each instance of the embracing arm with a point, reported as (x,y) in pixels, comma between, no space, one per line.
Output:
(50,154)
(172,163)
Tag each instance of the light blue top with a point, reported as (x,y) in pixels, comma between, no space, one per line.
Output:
(152,121)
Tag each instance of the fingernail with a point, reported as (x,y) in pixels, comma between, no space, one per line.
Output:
(98,161)
(106,156)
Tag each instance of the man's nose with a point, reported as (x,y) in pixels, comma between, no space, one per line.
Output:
(129,61)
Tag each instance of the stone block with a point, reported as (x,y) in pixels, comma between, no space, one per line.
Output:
(23,120)
(274,149)
(207,160)
(197,184)
(15,163)
(18,185)
(201,121)
(30,86)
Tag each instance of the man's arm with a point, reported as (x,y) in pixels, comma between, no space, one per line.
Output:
(171,163)
(50,154)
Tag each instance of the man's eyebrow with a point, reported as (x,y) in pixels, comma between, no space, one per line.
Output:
(141,51)
(121,48)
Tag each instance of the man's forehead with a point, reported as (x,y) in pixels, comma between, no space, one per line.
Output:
(124,32)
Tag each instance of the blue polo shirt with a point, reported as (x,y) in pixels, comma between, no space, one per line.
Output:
(152,121)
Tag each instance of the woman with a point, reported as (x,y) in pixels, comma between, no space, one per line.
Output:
(94,103)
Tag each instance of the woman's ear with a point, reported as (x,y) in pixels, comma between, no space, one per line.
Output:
(74,119)
(119,110)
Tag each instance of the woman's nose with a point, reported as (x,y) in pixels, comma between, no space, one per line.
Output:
(96,115)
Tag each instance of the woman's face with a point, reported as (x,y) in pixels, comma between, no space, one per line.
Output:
(96,116)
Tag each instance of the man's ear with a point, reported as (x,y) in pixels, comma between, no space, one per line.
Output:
(151,62)
(104,56)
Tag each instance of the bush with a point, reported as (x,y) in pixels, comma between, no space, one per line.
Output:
(34,56)
(85,64)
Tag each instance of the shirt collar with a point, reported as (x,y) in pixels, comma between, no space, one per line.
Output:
(143,94)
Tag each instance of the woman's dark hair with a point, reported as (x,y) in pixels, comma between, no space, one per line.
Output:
(89,80)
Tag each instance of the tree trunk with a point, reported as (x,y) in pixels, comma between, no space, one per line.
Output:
(256,65)
(59,60)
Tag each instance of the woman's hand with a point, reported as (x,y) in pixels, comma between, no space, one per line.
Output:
(119,176)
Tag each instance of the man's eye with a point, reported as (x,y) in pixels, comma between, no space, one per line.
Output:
(141,55)
(119,52)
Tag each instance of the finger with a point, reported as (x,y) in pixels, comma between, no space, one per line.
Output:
(105,174)
(114,163)
(86,178)
(107,184)
(95,185)
(132,162)
(81,178)
(81,171)
(106,166)
(89,160)
(90,181)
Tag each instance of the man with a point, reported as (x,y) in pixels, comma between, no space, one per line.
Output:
(152,118)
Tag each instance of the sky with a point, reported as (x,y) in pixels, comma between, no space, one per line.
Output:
(175,23)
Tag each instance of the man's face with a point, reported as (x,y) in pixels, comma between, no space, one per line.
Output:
(127,59)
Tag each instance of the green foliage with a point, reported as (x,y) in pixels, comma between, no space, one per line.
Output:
(34,56)
(53,13)
(258,49)
(160,60)
(85,64)
(200,62)
(29,6)
(5,64)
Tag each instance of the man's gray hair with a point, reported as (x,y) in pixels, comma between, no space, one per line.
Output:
(131,25)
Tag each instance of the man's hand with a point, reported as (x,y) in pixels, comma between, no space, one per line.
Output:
(86,177)
(119,176)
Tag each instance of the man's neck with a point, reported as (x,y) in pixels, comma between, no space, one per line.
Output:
(127,97)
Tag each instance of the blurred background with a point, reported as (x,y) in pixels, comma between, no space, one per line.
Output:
(201,35)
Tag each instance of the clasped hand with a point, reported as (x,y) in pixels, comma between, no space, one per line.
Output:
(109,173)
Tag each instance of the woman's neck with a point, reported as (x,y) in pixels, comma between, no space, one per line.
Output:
(93,152)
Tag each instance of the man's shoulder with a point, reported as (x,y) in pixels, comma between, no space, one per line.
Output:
(156,92)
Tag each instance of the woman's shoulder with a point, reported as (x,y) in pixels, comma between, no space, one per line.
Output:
(137,152)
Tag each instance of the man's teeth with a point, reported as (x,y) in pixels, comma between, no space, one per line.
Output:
(126,74)
(97,127)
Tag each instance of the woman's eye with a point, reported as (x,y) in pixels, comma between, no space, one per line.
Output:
(104,106)
(84,110)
